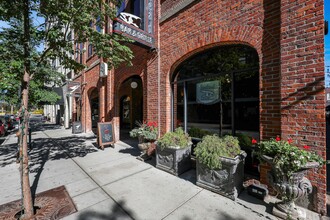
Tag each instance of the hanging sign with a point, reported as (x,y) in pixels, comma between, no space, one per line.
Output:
(133,32)
(208,92)
(73,88)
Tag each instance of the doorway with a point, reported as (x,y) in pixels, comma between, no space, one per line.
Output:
(94,101)
(131,105)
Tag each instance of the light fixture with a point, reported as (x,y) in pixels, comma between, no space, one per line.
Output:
(134,85)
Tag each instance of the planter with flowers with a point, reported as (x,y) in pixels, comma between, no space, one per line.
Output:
(220,165)
(173,152)
(289,165)
(147,133)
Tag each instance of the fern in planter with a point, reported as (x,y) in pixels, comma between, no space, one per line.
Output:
(175,139)
(212,147)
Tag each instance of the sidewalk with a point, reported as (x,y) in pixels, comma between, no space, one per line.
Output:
(113,184)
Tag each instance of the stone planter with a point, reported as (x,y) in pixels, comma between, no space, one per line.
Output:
(173,160)
(195,141)
(147,148)
(289,190)
(227,181)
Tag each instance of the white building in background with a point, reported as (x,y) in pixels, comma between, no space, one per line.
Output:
(61,111)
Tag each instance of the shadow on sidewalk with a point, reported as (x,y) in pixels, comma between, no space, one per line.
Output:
(55,149)
(47,149)
(8,154)
(117,211)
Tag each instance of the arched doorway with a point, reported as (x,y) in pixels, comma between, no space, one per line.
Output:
(95,110)
(131,104)
(217,92)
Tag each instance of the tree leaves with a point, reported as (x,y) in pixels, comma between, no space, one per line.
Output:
(59,25)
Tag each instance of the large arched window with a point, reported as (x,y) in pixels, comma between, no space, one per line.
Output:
(217,91)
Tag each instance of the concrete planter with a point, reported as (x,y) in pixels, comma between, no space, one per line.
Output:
(173,160)
(227,181)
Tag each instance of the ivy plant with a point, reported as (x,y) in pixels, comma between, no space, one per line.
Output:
(212,147)
(174,139)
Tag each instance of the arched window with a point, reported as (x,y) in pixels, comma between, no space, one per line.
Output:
(217,91)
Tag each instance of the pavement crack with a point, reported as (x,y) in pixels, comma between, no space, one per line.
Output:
(182,204)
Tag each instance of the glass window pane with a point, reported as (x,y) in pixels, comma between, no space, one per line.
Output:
(218,60)
(247,84)
(204,117)
(247,116)
(226,87)
(179,93)
(226,118)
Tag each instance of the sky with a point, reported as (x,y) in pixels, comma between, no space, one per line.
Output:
(327,43)
(36,20)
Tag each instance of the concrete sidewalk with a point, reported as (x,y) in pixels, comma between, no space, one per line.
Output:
(113,184)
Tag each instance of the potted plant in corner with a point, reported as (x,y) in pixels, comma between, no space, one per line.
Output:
(173,152)
(147,133)
(196,135)
(220,165)
(289,165)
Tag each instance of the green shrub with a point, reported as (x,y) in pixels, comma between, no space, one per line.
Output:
(244,140)
(174,139)
(198,132)
(287,158)
(212,147)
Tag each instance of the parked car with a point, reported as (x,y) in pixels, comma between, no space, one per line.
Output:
(8,121)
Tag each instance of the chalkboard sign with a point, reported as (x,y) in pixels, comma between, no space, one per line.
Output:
(105,133)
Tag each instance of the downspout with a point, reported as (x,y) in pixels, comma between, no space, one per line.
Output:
(158,65)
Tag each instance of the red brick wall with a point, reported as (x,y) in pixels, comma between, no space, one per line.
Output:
(288,36)
(91,77)
(206,24)
(302,87)
(291,93)
(140,68)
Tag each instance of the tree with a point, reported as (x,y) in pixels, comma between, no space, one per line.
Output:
(11,66)
(60,15)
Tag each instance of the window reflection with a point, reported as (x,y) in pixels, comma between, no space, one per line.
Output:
(212,106)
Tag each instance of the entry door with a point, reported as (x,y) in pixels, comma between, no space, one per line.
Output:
(126,112)
(94,113)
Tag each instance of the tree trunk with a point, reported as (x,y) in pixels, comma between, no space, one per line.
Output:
(27,197)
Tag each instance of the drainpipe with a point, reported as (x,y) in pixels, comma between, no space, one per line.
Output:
(158,66)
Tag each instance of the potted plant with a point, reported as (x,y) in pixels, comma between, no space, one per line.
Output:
(251,160)
(173,152)
(147,133)
(220,165)
(196,135)
(289,165)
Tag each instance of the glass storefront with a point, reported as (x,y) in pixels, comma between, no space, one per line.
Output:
(217,91)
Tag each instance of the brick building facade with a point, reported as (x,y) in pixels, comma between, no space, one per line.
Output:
(287,38)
